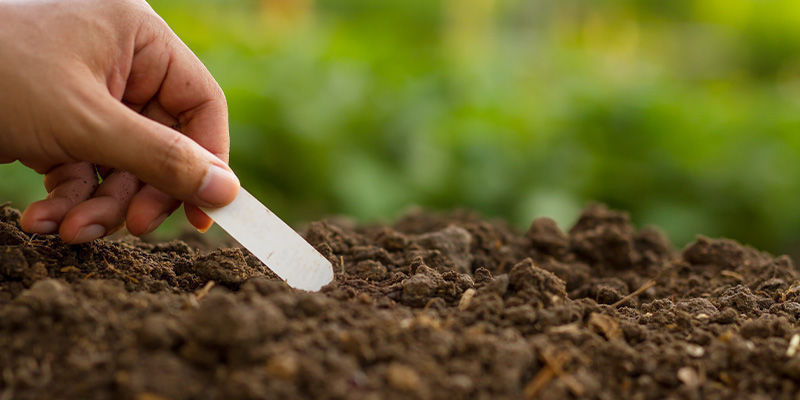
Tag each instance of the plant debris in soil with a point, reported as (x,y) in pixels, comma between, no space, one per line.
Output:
(435,306)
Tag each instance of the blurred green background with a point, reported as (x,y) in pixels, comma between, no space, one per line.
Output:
(685,113)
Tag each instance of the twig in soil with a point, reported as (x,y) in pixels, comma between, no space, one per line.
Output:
(124,275)
(32,239)
(502,267)
(204,290)
(790,292)
(341,263)
(552,369)
(572,384)
(607,326)
(542,378)
(731,274)
(647,285)
(430,303)
(69,268)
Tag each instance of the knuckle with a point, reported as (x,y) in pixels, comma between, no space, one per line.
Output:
(132,7)
(220,95)
(125,13)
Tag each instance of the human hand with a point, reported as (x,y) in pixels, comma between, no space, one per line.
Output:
(100,87)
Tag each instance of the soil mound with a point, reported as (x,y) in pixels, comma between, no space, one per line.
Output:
(436,306)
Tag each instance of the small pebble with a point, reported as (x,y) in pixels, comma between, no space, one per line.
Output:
(402,377)
(688,376)
(794,343)
(282,366)
(466,299)
(695,350)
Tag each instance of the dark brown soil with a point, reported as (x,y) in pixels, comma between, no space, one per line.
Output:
(437,306)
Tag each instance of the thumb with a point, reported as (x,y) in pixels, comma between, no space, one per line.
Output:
(160,156)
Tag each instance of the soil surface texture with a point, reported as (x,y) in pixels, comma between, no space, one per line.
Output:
(438,306)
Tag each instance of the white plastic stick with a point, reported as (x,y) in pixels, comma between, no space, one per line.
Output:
(273,242)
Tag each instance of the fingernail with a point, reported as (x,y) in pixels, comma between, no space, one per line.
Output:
(44,227)
(218,188)
(89,233)
(156,222)
(204,229)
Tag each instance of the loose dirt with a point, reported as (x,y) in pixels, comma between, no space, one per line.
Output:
(436,306)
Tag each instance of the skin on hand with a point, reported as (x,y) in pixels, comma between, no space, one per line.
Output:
(99,87)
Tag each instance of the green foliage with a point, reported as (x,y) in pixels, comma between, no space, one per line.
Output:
(683,112)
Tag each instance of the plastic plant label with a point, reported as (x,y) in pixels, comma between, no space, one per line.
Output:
(273,242)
